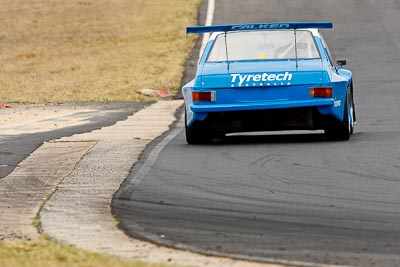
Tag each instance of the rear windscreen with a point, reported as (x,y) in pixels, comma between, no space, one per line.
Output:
(263,45)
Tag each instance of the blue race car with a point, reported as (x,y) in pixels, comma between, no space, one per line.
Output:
(268,77)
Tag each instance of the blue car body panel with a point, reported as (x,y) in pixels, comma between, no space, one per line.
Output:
(266,84)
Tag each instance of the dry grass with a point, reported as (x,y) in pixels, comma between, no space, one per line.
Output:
(82,50)
(51,254)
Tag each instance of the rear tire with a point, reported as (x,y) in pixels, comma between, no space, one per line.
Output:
(352,109)
(197,133)
(340,130)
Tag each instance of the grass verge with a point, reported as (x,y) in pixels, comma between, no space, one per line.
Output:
(49,254)
(92,50)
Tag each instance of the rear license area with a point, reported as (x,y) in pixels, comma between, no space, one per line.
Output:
(275,93)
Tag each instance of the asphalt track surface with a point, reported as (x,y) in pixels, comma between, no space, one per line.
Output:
(291,197)
(15,148)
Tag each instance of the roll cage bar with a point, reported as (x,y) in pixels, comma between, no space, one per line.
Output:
(257,27)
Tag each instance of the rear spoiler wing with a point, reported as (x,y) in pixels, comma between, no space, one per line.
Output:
(259,26)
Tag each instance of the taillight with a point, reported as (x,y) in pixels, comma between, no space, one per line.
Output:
(203,96)
(321,92)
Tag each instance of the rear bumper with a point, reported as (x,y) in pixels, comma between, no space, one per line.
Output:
(199,111)
(207,107)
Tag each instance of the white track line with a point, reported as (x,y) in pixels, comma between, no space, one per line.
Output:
(209,22)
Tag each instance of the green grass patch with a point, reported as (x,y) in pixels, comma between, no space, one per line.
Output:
(50,253)
(92,50)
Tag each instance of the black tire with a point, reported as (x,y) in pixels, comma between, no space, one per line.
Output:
(353,108)
(197,133)
(340,130)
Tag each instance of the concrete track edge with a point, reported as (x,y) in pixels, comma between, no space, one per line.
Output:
(79,213)
(24,190)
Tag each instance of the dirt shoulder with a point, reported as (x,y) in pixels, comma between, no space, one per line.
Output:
(33,118)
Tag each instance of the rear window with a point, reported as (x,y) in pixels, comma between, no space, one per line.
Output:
(263,45)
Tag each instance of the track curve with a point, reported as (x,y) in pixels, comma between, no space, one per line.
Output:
(291,197)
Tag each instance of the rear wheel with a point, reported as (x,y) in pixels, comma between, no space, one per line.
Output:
(352,110)
(197,133)
(336,130)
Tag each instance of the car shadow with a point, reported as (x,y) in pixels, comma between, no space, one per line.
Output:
(279,138)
